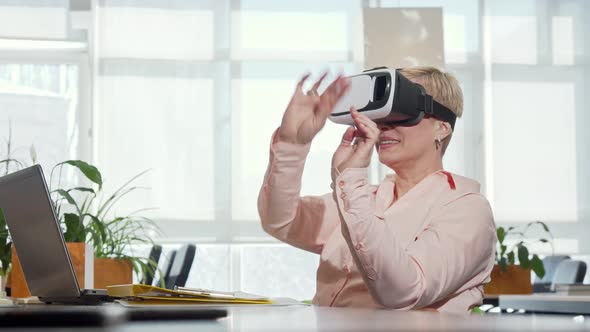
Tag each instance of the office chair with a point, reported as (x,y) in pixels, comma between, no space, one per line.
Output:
(179,266)
(543,285)
(162,281)
(154,258)
(569,272)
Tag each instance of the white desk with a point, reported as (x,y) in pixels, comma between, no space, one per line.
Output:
(307,318)
(345,319)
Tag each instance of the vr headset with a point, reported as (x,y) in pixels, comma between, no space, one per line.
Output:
(388,97)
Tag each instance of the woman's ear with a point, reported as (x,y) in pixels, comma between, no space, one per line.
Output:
(443,130)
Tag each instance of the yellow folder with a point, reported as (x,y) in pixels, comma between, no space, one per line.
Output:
(147,294)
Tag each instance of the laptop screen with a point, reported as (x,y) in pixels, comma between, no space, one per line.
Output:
(36,234)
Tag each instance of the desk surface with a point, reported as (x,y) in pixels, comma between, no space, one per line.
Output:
(344,319)
(307,318)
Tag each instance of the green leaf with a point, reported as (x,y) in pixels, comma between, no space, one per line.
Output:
(544,240)
(100,234)
(511,258)
(83,189)
(503,264)
(537,266)
(104,209)
(67,196)
(503,249)
(74,228)
(122,191)
(2,220)
(523,257)
(6,259)
(501,233)
(88,170)
(87,203)
(475,310)
(543,225)
(5,246)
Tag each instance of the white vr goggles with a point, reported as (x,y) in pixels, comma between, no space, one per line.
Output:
(388,97)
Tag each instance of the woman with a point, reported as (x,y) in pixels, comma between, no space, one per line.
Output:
(423,238)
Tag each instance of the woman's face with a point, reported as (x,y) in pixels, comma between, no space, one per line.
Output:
(400,145)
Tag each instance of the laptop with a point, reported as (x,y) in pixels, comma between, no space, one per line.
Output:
(38,239)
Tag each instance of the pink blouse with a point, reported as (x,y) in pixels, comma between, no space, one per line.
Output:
(432,248)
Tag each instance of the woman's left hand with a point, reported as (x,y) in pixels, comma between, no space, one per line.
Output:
(358,154)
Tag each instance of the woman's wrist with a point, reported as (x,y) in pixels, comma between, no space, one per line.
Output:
(349,165)
(339,172)
(286,138)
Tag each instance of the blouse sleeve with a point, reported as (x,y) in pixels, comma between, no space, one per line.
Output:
(304,222)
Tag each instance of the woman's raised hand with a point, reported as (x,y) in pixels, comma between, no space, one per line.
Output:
(306,113)
(357,154)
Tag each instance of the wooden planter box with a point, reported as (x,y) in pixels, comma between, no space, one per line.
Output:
(515,280)
(82,256)
(110,271)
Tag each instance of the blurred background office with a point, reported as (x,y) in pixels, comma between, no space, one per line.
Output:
(193,90)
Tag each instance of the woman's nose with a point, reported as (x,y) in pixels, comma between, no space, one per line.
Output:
(384,127)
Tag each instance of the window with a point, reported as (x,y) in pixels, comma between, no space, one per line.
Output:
(198,100)
(39,104)
(44,84)
(193,90)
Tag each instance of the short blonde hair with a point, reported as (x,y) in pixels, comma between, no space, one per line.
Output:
(443,87)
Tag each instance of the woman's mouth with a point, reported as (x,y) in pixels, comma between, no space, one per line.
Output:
(387,143)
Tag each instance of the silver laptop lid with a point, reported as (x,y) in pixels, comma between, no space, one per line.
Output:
(36,234)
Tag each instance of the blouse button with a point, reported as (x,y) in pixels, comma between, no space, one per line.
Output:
(341,184)
(342,195)
(359,246)
(346,268)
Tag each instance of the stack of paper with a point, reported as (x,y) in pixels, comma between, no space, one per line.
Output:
(145,294)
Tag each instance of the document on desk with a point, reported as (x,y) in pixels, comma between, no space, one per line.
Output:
(137,294)
(275,301)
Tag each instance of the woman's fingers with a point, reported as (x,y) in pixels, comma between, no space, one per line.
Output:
(348,136)
(317,84)
(368,128)
(345,149)
(332,95)
(363,118)
(299,88)
(369,131)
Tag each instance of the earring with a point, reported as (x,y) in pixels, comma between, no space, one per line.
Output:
(437,143)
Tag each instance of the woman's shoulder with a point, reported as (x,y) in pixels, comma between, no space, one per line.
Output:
(464,184)
(467,204)
(465,191)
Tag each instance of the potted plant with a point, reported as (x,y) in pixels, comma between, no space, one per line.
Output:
(111,235)
(509,277)
(88,227)
(5,242)
(76,236)
(75,220)
(98,241)
(5,252)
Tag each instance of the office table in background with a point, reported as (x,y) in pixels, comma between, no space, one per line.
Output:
(547,302)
